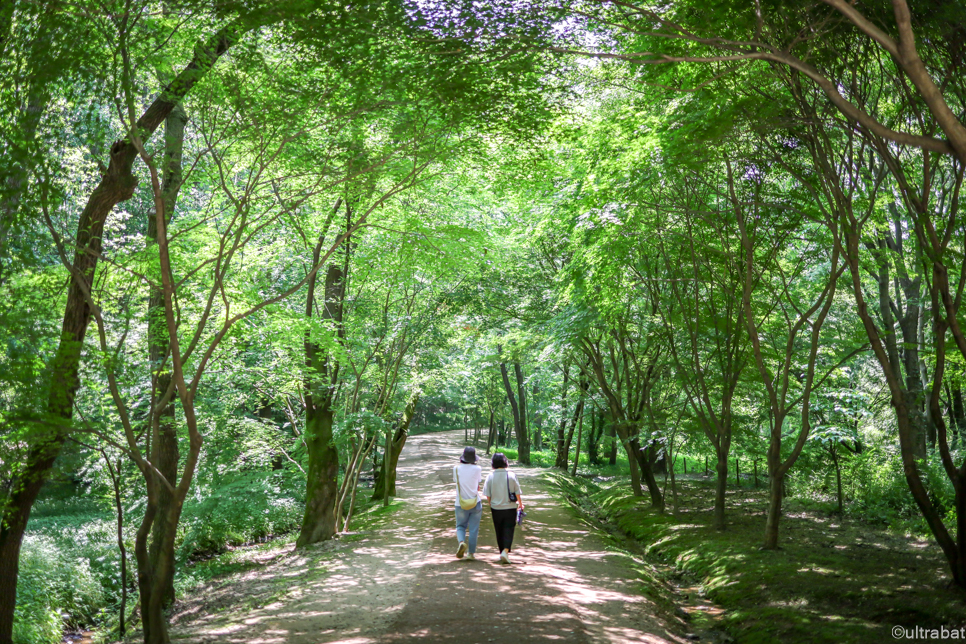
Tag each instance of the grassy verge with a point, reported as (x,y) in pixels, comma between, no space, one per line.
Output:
(369,515)
(834,580)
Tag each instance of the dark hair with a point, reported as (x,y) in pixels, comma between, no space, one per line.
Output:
(469,455)
(499,460)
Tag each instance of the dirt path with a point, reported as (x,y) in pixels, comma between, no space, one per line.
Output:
(403,583)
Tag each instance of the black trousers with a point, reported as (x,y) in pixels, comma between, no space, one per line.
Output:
(503,523)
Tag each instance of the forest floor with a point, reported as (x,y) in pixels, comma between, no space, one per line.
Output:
(835,579)
(398,580)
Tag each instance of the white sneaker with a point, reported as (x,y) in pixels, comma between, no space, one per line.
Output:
(505,556)
(470,557)
(461,550)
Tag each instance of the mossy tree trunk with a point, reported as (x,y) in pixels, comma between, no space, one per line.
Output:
(322,373)
(117,184)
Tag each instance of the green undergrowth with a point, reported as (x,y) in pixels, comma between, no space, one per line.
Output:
(833,580)
(370,515)
(547,458)
(70,565)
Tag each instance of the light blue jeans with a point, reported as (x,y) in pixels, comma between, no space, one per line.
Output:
(469,520)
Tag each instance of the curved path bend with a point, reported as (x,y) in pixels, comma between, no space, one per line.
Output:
(402,582)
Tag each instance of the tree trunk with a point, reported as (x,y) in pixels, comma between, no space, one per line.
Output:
(632,463)
(721,487)
(523,435)
(959,416)
(535,421)
(838,477)
(564,454)
(657,499)
(657,458)
(398,442)
(117,184)
(776,484)
(580,431)
(612,457)
(321,487)
(319,521)
(593,445)
(153,578)
(884,351)
(165,454)
(640,466)
(353,484)
(674,486)
(578,414)
(489,436)
(959,568)
(521,438)
(561,460)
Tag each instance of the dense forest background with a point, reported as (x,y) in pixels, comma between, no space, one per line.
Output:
(247,248)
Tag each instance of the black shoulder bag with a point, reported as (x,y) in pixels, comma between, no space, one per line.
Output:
(512,495)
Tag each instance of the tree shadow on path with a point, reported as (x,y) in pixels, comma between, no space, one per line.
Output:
(402,582)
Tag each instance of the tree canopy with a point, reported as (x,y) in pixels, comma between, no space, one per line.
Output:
(249,247)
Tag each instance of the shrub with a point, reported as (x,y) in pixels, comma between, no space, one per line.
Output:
(242,508)
(54,589)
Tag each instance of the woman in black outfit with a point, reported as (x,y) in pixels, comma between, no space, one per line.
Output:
(502,491)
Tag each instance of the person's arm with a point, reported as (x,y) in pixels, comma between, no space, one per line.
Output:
(519,493)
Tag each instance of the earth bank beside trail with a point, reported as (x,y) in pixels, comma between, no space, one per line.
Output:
(398,580)
(835,579)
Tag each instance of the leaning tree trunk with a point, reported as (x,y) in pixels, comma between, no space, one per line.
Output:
(117,184)
(647,474)
(578,415)
(398,442)
(517,420)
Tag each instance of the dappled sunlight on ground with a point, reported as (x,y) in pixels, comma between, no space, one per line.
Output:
(834,579)
(402,582)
